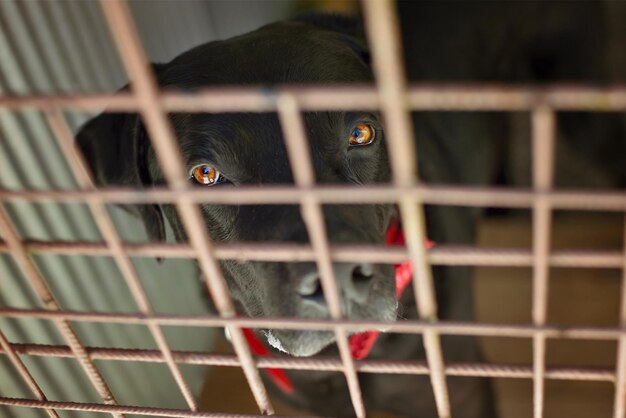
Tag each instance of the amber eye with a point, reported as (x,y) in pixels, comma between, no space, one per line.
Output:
(362,134)
(206,175)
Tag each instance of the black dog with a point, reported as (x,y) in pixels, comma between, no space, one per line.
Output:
(444,42)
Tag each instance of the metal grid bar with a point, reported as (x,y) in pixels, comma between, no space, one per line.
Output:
(30,381)
(441,97)
(118,409)
(41,288)
(326,364)
(406,326)
(107,229)
(384,40)
(543,132)
(619,404)
(304,175)
(583,200)
(448,255)
(543,102)
(146,91)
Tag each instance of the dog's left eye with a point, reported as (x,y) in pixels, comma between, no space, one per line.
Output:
(362,134)
(206,174)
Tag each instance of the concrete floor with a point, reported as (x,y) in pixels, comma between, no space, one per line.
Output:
(503,295)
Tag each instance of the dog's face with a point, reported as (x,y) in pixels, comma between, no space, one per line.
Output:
(229,150)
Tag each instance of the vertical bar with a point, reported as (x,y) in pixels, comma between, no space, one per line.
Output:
(304,175)
(384,39)
(619,404)
(14,358)
(106,227)
(37,281)
(144,86)
(543,131)
(145,89)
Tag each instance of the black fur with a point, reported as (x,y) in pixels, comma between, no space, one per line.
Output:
(462,41)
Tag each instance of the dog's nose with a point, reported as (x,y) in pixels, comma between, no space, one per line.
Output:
(353,281)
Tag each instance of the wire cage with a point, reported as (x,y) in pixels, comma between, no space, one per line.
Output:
(395,100)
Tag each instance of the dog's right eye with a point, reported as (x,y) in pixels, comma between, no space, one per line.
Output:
(206,175)
(362,134)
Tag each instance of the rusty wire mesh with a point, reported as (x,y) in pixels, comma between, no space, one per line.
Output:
(395,100)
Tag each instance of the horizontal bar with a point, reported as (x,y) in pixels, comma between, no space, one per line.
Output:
(405,326)
(119,409)
(440,97)
(295,252)
(118,102)
(321,363)
(469,196)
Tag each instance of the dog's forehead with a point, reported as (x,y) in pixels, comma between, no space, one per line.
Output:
(285,52)
(256,134)
(251,144)
(242,145)
(250,147)
(227,132)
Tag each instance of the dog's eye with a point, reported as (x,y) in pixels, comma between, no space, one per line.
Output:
(362,134)
(206,175)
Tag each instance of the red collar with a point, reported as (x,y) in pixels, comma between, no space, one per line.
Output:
(360,344)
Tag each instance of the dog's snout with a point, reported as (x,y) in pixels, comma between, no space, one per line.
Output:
(309,286)
(353,281)
(356,280)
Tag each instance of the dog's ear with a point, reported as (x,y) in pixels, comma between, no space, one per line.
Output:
(115,145)
(349,29)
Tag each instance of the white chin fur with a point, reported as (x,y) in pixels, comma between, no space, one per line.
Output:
(274,341)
